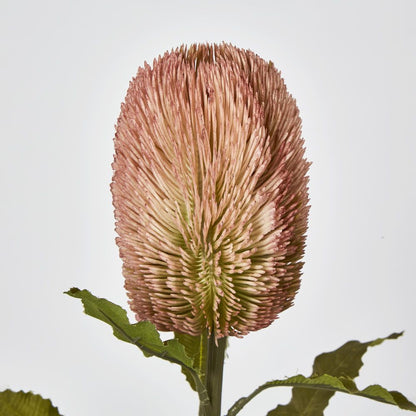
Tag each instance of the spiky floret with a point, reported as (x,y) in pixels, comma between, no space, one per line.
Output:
(210,192)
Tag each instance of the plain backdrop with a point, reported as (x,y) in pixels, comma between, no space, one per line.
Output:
(65,68)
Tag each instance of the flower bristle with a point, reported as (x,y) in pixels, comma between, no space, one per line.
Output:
(210,192)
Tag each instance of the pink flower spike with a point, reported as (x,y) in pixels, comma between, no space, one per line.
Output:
(210,192)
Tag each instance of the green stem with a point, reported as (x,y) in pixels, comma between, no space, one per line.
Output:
(215,352)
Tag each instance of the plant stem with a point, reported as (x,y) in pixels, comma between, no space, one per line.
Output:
(215,350)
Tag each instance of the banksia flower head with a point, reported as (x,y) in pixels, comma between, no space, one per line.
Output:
(210,192)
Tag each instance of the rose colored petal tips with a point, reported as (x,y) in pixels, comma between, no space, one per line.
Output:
(210,192)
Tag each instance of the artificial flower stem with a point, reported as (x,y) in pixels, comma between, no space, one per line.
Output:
(213,375)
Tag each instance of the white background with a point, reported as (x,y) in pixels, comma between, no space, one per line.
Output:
(65,68)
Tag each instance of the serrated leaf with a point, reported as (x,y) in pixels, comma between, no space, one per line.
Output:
(345,362)
(325,383)
(195,347)
(343,365)
(25,404)
(144,334)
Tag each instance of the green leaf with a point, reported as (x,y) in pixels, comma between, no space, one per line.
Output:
(25,404)
(144,335)
(195,347)
(324,383)
(343,364)
(345,361)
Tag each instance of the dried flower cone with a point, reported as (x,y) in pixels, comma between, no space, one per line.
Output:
(210,192)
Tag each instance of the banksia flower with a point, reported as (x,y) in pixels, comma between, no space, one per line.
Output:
(210,192)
